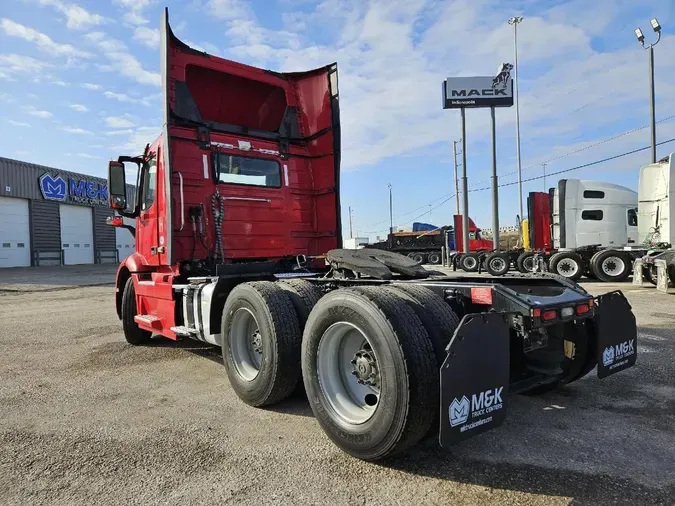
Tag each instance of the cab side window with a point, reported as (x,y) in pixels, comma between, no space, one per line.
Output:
(149,185)
(632,218)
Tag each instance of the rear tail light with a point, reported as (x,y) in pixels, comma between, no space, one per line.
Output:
(536,313)
(549,315)
(567,311)
(591,303)
(583,308)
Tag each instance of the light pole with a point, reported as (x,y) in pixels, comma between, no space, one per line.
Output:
(514,21)
(652,101)
(391,214)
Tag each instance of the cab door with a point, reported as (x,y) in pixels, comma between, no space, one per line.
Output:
(147,222)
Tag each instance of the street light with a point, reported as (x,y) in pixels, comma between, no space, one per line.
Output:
(514,21)
(652,103)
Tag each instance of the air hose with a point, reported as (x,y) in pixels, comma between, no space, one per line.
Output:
(218,210)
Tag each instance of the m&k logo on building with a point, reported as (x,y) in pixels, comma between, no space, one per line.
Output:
(78,191)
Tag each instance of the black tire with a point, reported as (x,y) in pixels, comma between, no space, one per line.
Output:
(279,328)
(410,387)
(434,258)
(525,262)
(497,264)
(649,274)
(436,315)
(611,259)
(469,262)
(304,295)
(420,258)
(557,266)
(132,332)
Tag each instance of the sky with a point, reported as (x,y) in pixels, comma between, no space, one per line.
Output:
(80,85)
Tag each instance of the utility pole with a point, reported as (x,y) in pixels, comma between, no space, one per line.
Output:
(652,100)
(465,189)
(350,223)
(544,165)
(454,156)
(391,212)
(514,21)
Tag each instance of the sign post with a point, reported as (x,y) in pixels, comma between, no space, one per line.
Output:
(474,93)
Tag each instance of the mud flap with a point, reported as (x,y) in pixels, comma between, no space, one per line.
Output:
(637,272)
(475,378)
(661,275)
(616,331)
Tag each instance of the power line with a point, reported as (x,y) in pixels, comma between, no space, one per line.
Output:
(417,217)
(562,171)
(604,141)
(535,165)
(590,164)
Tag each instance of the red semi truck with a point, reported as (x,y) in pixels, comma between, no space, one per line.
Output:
(237,212)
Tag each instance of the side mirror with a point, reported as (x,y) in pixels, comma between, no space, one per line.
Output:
(117,186)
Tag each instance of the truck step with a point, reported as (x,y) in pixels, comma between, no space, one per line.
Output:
(147,319)
(184,331)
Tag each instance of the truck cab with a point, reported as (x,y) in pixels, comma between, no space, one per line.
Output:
(243,177)
(588,213)
(654,194)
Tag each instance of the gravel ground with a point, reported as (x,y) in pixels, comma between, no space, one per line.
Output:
(85,418)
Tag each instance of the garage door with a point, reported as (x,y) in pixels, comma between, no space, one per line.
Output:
(14,233)
(126,244)
(77,234)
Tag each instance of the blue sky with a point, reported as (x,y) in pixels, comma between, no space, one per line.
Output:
(79,85)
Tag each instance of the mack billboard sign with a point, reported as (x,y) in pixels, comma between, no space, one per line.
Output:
(479,91)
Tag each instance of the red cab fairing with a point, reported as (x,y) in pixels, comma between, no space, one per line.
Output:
(263,145)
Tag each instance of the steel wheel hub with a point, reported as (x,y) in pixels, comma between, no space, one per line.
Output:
(348,373)
(246,344)
(497,264)
(365,368)
(613,265)
(567,267)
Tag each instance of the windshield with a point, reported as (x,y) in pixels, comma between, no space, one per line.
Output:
(248,171)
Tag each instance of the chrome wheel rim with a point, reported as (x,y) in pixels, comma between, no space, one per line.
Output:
(348,372)
(246,349)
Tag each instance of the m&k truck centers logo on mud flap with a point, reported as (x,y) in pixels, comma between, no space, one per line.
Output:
(475,378)
(477,411)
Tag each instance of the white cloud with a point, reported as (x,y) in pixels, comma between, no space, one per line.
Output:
(123,97)
(59,83)
(43,42)
(228,9)
(84,155)
(121,60)
(90,86)
(134,13)
(147,36)
(119,122)
(19,64)
(77,18)
(38,113)
(134,18)
(76,130)
(18,123)
(79,107)
(137,138)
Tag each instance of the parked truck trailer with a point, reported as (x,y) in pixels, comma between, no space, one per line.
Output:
(237,227)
